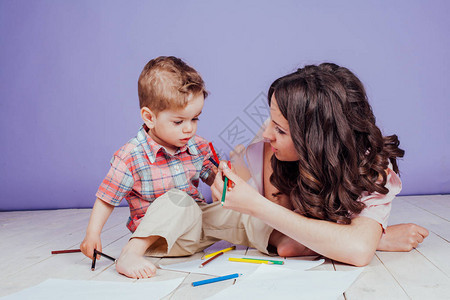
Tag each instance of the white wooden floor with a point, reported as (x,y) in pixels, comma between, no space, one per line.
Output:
(28,237)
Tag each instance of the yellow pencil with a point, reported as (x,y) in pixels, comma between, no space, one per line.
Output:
(253,261)
(224,250)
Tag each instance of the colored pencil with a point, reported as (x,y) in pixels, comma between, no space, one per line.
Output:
(211,259)
(224,191)
(213,162)
(94,259)
(214,153)
(235,259)
(275,262)
(221,278)
(217,252)
(229,183)
(66,251)
(104,255)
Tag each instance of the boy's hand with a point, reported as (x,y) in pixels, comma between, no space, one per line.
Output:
(100,213)
(210,180)
(90,243)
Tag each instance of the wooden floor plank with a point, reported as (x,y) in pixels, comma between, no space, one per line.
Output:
(375,282)
(65,266)
(405,212)
(38,248)
(438,205)
(29,236)
(419,278)
(437,251)
(21,227)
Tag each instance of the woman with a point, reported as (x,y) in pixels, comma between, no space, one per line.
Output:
(328,166)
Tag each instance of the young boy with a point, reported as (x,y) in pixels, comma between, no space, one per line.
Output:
(158,173)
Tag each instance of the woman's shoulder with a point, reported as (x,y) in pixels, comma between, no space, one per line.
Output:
(378,206)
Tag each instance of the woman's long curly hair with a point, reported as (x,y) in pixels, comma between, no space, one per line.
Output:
(341,151)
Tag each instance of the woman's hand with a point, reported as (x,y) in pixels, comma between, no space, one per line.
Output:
(402,237)
(240,197)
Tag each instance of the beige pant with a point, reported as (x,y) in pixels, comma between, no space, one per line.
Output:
(187,227)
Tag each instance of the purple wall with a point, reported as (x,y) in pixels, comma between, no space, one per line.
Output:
(69,69)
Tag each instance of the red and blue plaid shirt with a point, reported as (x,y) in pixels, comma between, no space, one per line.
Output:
(142,170)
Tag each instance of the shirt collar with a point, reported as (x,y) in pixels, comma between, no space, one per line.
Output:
(152,148)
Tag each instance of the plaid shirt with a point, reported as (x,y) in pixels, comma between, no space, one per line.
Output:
(142,170)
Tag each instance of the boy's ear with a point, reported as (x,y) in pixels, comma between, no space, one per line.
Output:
(148,117)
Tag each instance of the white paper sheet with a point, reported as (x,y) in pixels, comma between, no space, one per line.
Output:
(270,282)
(59,289)
(222,266)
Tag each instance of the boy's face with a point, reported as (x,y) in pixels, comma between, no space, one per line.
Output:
(174,128)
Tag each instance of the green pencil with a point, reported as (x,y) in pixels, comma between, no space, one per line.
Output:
(275,262)
(224,192)
(226,184)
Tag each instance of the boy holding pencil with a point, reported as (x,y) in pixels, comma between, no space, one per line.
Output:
(158,173)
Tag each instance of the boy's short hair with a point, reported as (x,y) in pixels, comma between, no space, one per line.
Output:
(167,81)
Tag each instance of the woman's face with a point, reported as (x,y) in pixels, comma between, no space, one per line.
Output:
(277,132)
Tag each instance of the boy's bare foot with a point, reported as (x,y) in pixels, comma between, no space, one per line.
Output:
(288,247)
(132,262)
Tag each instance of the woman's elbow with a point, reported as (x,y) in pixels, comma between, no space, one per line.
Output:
(361,256)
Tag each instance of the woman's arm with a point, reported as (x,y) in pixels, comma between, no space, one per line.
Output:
(354,244)
(400,237)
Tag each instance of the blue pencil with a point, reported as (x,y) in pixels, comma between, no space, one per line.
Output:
(214,162)
(221,278)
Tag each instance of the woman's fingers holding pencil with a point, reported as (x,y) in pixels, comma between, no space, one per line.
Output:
(229,172)
(240,197)
(217,186)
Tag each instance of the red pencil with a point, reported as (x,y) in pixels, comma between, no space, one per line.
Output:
(209,260)
(229,183)
(66,251)
(214,153)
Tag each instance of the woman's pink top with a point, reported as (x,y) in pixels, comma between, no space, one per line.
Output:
(378,206)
